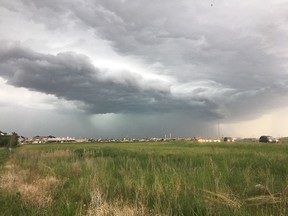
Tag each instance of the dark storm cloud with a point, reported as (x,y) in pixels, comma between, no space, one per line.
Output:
(72,77)
(195,42)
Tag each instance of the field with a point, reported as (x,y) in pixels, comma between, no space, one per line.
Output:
(163,178)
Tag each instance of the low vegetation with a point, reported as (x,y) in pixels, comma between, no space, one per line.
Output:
(165,178)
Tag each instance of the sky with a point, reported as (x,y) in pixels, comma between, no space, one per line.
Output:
(138,68)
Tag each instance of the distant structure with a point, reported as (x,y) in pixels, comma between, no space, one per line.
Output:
(52,139)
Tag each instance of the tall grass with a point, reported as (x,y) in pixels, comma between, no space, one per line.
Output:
(176,178)
(3,155)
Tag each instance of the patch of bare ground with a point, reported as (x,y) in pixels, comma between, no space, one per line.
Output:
(33,190)
(100,207)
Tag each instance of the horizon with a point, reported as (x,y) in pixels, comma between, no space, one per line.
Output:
(164,136)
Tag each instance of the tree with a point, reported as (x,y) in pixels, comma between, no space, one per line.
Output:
(9,141)
(13,142)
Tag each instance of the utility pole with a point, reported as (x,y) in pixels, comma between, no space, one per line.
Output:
(218,130)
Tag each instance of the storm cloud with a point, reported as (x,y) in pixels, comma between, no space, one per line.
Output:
(72,77)
(207,60)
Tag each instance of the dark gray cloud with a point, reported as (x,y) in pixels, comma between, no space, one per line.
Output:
(72,77)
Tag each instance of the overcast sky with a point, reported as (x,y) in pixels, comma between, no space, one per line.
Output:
(138,68)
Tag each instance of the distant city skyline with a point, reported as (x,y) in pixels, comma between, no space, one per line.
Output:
(105,68)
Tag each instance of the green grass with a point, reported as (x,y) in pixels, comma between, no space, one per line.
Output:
(3,156)
(165,178)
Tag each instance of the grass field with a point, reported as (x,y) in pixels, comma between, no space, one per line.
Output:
(164,178)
